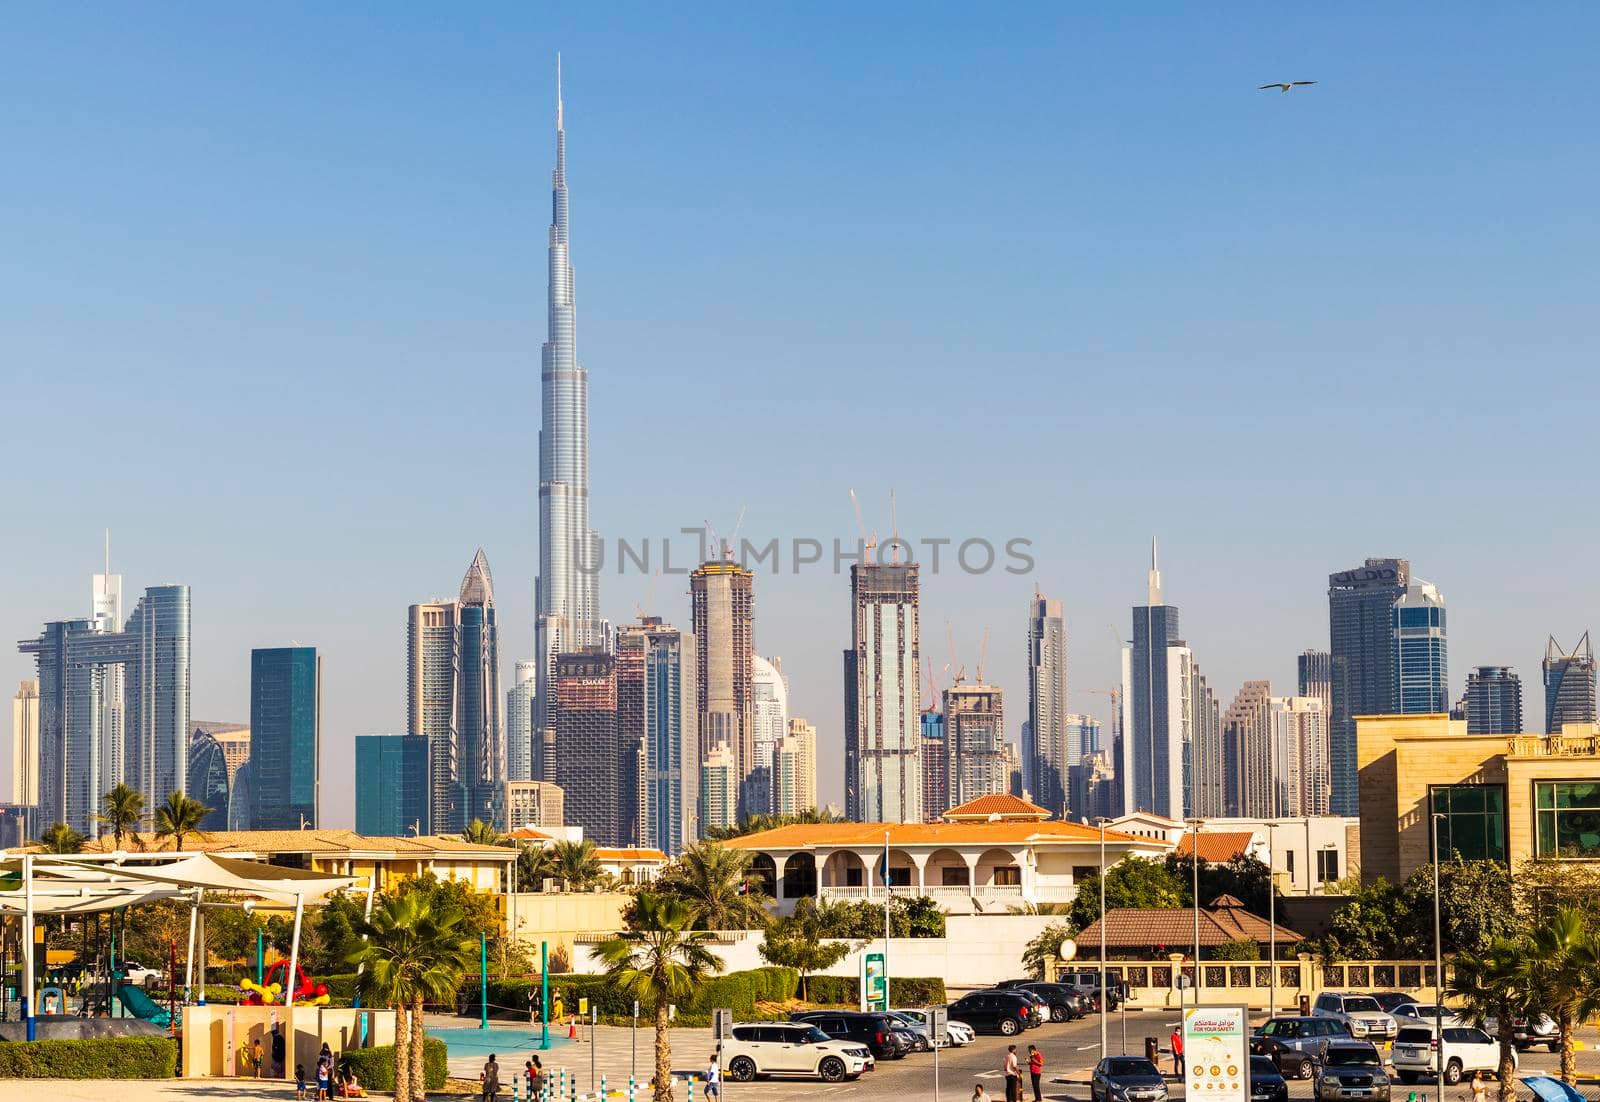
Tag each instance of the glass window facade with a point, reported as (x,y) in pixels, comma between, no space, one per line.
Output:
(1568,818)
(1474,823)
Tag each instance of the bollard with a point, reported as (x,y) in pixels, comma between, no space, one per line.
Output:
(603,1094)
(690,1080)
(630,1088)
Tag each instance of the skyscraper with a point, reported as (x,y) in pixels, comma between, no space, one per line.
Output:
(1494,701)
(234,738)
(1569,684)
(566,593)
(975,742)
(285,736)
(722,601)
(1157,722)
(1360,633)
(719,789)
(658,735)
(208,779)
(25,746)
(769,715)
(795,769)
(1300,766)
(883,726)
(1419,651)
(522,752)
(1204,763)
(113,705)
(536,804)
(935,765)
(1314,669)
(453,701)
(1247,735)
(1083,736)
(391,785)
(1046,749)
(589,758)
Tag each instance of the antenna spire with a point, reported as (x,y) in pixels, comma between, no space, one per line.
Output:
(1155,575)
(558,90)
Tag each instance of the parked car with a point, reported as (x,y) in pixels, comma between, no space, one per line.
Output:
(1361,1013)
(875,1031)
(138,975)
(1527,1033)
(1388,1000)
(909,1039)
(1063,1002)
(1267,1084)
(1089,984)
(1412,1013)
(957,1033)
(1466,1050)
(1347,1070)
(1292,1042)
(1127,1079)
(1003,1012)
(781,1048)
(1041,1008)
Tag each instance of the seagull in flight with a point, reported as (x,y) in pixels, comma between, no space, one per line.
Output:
(1284,86)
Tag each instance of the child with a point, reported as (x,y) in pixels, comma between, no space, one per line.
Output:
(255,1056)
(978,1094)
(300,1083)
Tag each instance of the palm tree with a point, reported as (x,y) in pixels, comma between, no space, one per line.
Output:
(1493,986)
(575,864)
(535,865)
(483,834)
(124,811)
(414,952)
(719,887)
(659,960)
(61,838)
(1561,965)
(179,818)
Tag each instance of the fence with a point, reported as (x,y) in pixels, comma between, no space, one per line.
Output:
(1158,983)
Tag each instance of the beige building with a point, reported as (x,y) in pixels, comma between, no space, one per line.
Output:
(795,769)
(721,595)
(234,738)
(533,804)
(1503,797)
(25,745)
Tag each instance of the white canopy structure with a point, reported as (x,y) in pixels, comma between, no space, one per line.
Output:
(74,884)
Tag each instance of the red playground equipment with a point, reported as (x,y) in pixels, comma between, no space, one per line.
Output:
(307,992)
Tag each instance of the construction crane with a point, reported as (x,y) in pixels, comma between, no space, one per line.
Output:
(869,540)
(983,653)
(950,636)
(642,609)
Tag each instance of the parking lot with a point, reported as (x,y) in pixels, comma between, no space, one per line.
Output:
(1070,1051)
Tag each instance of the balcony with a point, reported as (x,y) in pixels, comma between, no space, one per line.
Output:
(1553,746)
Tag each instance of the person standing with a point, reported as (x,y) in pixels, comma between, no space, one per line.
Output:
(490,1078)
(1013,1073)
(1177,1052)
(1035,1070)
(255,1056)
(1480,1089)
(713,1079)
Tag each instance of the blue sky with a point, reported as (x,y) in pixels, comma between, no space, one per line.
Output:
(271,301)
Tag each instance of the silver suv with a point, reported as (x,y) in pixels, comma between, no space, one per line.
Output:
(1350,1070)
(1361,1013)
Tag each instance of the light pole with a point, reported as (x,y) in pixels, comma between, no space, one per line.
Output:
(1195,864)
(1438,965)
(1272,925)
(1104,994)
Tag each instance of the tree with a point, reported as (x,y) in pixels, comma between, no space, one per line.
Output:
(1475,907)
(479,912)
(1046,944)
(124,810)
(659,960)
(336,935)
(481,833)
(414,953)
(1245,877)
(60,838)
(1491,985)
(753,824)
(1370,925)
(535,865)
(1131,882)
(1562,965)
(797,942)
(574,864)
(179,818)
(717,884)
(1240,949)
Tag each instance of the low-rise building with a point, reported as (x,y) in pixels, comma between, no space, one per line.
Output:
(1306,853)
(1501,797)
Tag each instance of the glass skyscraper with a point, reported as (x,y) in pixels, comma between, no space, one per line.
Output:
(660,743)
(285,728)
(522,750)
(1569,684)
(391,784)
(1361,637)
(1156,687)
(208,779)
(1494,701)
(1047,751)
(1419,652)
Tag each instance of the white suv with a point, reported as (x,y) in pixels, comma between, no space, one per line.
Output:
(1466,1050)
(791,1048)
(1366,1019)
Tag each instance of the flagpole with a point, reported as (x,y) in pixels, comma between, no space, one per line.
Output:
(888,897)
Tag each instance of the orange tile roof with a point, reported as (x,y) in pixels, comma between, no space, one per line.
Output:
(529,832)
(322,842)
(1217,847)
(1000,803)
(630,855)
(811,835)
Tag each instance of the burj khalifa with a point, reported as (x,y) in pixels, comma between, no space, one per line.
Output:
(566,595)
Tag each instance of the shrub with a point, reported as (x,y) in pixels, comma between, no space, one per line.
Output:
(99,1058)
(904,990)
(375,1066)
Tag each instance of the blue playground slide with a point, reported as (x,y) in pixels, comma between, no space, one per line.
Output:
(140,1005)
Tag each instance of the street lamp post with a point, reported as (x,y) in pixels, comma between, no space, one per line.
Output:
(1195,864)
(1438,965)
(1272,925)
(1104,994)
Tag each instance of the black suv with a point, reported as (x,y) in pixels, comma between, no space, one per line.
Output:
(875,1031)
(1065,1004)
(998,1011)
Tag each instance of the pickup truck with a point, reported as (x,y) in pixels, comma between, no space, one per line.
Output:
(137,974)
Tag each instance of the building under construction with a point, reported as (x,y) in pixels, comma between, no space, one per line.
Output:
(883,707)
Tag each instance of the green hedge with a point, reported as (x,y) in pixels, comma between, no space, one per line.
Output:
(739,990)
(904,990)
(100,1058)
(375,1066)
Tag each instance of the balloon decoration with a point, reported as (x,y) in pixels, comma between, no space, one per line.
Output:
(270,991)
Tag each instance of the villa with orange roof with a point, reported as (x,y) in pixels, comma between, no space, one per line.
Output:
(988,856)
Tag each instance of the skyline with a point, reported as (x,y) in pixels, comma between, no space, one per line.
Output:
(1418,269)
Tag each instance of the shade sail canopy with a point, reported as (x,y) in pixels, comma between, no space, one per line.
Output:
(1552,1090)
(70,885)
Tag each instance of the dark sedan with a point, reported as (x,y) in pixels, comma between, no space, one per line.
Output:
(1266,1083)
(1064,1003)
